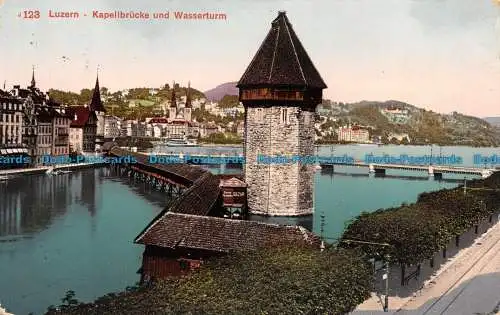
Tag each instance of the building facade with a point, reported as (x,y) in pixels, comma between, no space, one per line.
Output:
(353,134)
(60,128)
(44,133)
(83,129)
(112,127)
(280,99)
(11,120)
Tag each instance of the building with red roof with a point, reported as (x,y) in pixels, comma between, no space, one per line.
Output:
(83,129)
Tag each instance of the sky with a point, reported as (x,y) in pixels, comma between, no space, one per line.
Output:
(442,55)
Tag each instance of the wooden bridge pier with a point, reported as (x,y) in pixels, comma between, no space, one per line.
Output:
(155,181)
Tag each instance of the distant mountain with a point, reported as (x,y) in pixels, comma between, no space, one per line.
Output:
(217,93)
(494,121)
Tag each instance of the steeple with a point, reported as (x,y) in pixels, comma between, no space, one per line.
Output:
(173,102)
(188,95)
(33,82)
(282,61)
(96,103)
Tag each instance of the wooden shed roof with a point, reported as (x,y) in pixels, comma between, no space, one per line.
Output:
(177,230)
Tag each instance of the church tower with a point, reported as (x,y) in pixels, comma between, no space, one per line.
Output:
(33,82)
(97,106)
(173,104)
(280,90)
(187,108)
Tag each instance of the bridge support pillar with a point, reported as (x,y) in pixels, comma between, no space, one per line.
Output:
(379,172)
(431,171)
(371,168)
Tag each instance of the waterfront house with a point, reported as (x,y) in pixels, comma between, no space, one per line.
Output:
(83,129)
(11,120)
(177,243)
(60,127)
(44,131)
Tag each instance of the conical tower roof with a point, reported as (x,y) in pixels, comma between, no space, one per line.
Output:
(96,103)
(282,60)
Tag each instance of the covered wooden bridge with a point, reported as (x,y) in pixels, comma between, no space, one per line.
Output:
(173,178)
(192,228)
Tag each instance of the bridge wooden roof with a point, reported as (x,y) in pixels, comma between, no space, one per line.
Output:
(177,231)
(198,199)
(188,172)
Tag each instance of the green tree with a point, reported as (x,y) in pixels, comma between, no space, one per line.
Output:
(85,96)
(394,141)
(229,101)
(286,280)
(104,91)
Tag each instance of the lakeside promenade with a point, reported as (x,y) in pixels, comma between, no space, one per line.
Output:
(468,283)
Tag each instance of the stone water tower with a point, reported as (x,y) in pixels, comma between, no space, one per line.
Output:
(280,91)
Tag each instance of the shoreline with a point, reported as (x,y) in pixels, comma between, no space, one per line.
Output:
(42,169)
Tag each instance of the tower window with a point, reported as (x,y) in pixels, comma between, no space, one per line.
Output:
(284,116)
(260,115)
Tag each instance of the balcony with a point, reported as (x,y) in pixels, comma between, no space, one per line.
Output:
(274,95)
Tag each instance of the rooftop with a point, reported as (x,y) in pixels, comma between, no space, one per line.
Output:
(177,231)
(79,115)
(189,172)
(282,60)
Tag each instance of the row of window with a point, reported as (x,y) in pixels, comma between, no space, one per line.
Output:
(44,139)
(10,118)
(10,106)
(45,129)
(285,115)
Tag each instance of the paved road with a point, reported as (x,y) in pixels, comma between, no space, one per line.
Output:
(470,285)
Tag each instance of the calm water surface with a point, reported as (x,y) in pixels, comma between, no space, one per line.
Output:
(75,231)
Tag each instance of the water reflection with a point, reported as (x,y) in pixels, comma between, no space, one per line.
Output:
(29,204)
(48,221)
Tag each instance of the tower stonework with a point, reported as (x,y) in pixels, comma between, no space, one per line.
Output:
(280,91)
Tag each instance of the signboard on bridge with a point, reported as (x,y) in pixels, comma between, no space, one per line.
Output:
(234,192)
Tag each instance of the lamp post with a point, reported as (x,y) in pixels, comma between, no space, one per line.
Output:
(386,275)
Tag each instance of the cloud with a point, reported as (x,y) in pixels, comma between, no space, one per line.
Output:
(453,14)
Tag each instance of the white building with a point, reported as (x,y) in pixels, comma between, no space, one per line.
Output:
(112,126)
(399,136)
(353,134)
(11,119)
(126,128)
(396,115)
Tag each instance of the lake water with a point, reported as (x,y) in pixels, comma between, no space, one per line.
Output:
(75,231)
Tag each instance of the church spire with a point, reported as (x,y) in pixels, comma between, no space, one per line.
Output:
(173,102)
(33,82)
(188,95)
(96,103)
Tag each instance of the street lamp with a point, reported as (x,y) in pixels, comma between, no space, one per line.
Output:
(386,275)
